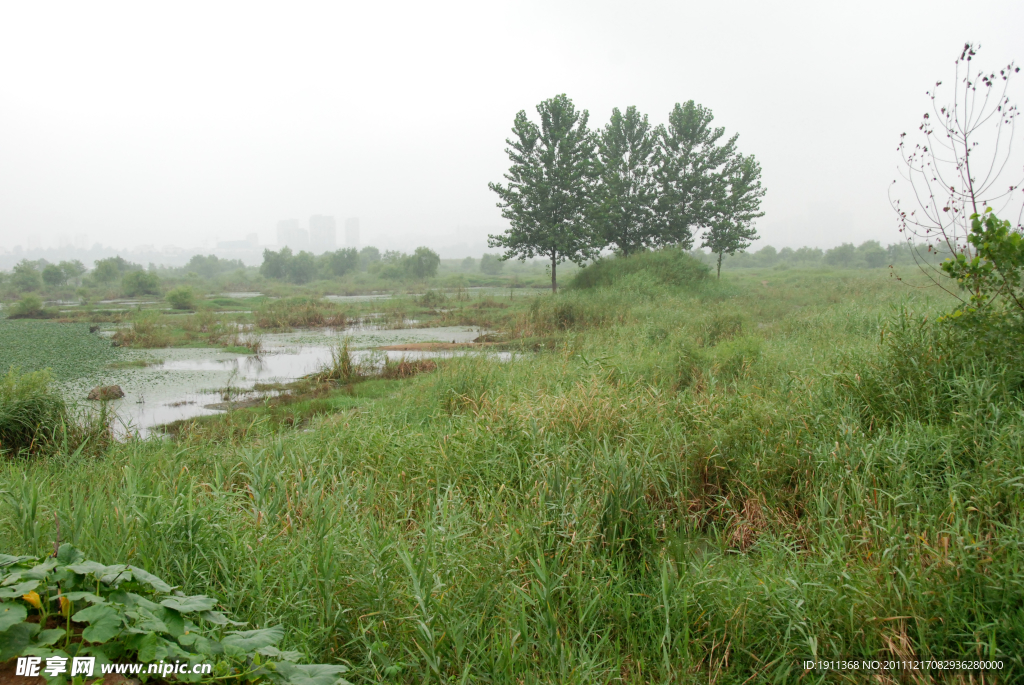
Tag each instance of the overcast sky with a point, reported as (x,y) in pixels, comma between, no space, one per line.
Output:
(184,123)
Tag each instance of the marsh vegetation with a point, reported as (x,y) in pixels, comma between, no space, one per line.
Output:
(683,479)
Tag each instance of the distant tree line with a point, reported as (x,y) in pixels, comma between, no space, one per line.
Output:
(868,255)
(304,267)
(571,192)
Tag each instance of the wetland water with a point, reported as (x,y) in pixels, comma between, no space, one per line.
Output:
(183,382)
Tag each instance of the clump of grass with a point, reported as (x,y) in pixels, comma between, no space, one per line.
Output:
(341,368)
(134,364)
(35,418)
(432,299)
(406,368)
(145,329)
(299,312)
(249,343)
(30,411)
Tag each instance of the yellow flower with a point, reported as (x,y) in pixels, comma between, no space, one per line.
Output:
(33,599)
(65,606)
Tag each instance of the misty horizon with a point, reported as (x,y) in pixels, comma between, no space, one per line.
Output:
(137,125)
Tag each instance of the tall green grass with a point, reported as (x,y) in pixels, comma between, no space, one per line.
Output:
(697,486)
(35,419)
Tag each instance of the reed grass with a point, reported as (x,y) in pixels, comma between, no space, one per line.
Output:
(694,485)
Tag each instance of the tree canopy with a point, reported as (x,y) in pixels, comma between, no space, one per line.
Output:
(549,187)
(571,193)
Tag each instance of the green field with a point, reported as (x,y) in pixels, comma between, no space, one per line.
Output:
(69,350)
(682,483)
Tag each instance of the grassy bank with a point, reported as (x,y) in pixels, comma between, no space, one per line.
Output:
(710,482)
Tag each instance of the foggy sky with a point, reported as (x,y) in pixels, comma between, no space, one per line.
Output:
(187,123)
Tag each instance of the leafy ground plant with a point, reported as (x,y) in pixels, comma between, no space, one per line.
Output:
(65,606)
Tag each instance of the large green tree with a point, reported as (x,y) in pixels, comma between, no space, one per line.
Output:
(549,187)
(695,162)
(623,208)
(735,204)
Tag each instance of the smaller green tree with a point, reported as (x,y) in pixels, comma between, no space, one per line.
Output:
(367,256)
(53,276)
(275,264)
(135,283)
(736,199)
(422,263)
(727,238)
(302,267)
(491,264)
(73,270)
(25,277)
(841,256)
(340,262)
(873,254)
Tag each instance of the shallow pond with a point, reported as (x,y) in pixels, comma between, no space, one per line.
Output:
(182,383)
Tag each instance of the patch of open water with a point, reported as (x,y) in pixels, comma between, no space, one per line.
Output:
(184,381)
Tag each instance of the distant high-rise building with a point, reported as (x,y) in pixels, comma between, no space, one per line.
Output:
(289,234)
(322,234)
(352,232)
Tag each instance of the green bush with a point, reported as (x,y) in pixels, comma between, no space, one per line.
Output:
(669,266)
(993,279)
(182,297)
(135,283)
(29,307)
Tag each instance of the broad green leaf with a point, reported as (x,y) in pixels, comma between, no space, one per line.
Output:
(49,637)
(15,639)
(244,641)
(276,653)
(10,614)
(310,674)
(149,647)
(104,622)
(7,560)
(149,579)
(109,575)
(19,589)
(134,600)
(40,571)
(88,567)
(219,619)
(188,604)
(87,596)
(145,621)
(205,645)
(69,555)
(172,619)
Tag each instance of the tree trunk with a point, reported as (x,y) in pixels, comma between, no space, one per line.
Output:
(719,277)
(554,267)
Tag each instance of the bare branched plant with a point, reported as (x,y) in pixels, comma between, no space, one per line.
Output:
(962,164)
